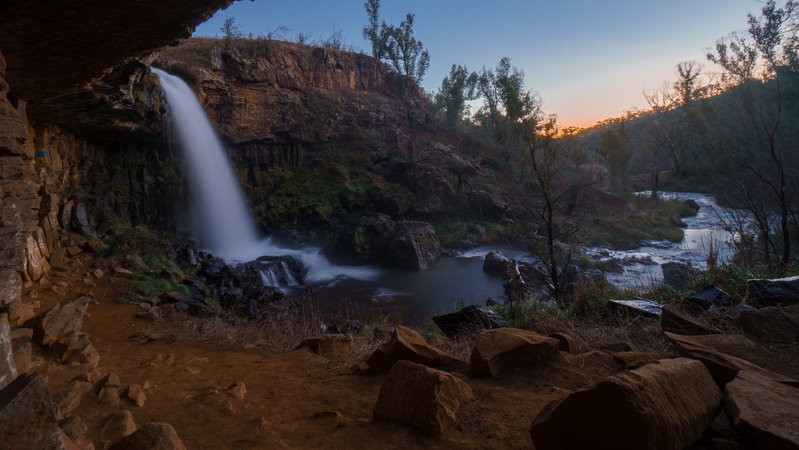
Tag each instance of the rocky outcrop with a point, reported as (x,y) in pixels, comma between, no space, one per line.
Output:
(665,405)
(414,246)
(425,398)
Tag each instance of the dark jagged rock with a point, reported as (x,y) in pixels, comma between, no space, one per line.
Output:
(774,292)
(496,263)
(677,275)
(707,297)
(414,246)
(637,306)
(663,405)
(151,436)
(676,321)
(475,317)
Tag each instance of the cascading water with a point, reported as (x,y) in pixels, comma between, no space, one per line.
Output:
(221,218)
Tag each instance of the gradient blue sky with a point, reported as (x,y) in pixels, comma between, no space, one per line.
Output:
(588,60)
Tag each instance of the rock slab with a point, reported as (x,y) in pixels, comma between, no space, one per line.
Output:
(504,348)
(774,292)
(60,321)
(773,325)
(406,344)
(764,412)
(664,405)
(28,416)
(425,398)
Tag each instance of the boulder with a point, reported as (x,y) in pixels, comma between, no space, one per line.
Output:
(724,368)
(60,321)
(36,263)
(28,416)
(74,427)
(766,413)
(95,245)
(476,317)
(505,348)
(496,263)
(406,344)
(419,396)
(739,346)
(413,246)
(774,292)
(675,321)
(22,357)
(664,405)
(366,238)
(677,275)
(329,344)
(20,312)
(119,425)
(636,306)
(8,367)
(151,436)
(707,297)
(69,398)
(566,343)
(772,325)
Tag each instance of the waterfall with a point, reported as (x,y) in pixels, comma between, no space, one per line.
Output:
(221,219)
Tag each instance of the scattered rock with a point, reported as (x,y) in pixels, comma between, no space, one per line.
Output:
(74,427)
(70,397)
(151,436)
(566,343)
(722,367)
(774,292)
(497,350)
(117,426)
(28,416)
(766,413)
(406,344)
(474,317)
(22,358)
(707,297)
(329,344)
(95,245)
(425,398)
(664,405)
(496,263)
(135,393)
(74,250)
(60,321)
(237,390)
(122,272)
(637,306)
(675,321)
(19,313)
(8,368)
(772,325)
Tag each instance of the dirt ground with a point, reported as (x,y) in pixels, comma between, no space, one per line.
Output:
(293,400)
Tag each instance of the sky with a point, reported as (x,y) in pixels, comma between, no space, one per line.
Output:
(587,59)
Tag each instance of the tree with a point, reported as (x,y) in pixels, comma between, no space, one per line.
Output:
(762,151)
(229,29)
(396,47)
(615,147)
(456,89)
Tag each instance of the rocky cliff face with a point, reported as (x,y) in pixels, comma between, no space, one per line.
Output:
(318,134)
(80,123)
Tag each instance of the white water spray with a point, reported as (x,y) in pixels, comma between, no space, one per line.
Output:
(222,219)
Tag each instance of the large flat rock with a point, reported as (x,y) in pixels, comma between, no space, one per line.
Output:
(664,405)
(773,292)
(774,325)
(504,348)
(408,345)
(764,412)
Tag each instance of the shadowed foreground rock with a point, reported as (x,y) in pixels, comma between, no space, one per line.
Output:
(425,398)
(500,349)
(151,436)
(471,316)
(771,325)
(665,405)
(28,416)
(775,292)
(60,321)
(764,412)
(406,344)
(676,321)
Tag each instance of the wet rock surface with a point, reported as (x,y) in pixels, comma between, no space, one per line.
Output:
(773,292)
(469,318)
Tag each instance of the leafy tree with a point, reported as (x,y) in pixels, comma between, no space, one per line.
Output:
(396,47)
(615,147)
(456,89)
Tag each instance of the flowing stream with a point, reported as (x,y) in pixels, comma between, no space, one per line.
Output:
(222,223)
